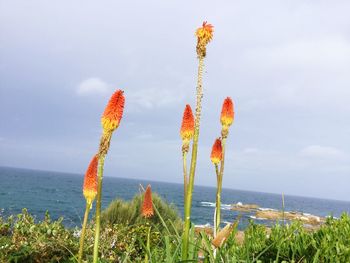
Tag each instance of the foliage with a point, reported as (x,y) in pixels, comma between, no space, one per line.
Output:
(24,240)
(129,213)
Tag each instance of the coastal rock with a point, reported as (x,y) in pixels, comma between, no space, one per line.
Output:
(307,219)
(244,207)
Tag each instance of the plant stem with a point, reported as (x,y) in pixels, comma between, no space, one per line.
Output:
(184,158)
(218,202)
(219,186)
(148,245)
(98,207)
(188,201)
(82,235)
(283,208)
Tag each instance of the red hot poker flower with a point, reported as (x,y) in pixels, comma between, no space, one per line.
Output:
(216,152)
(227,113)
(187,126)
(147,206)
(113,112)
(90,181)
(204,36)
(205,33)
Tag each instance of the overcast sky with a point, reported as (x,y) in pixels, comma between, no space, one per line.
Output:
(284,63)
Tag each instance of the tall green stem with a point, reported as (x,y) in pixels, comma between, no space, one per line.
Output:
(188,201)
(218,201)
(219,187)
(83,230)
(184,159)
(148,245)
(98,207)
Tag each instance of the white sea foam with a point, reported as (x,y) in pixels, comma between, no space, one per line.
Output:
(225,207)
(257,218)
(204,226)
(210,204)
(266,209)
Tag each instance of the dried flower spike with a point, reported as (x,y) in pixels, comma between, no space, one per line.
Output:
(204,36)
(90,181)
(227,113)
(205,33)
(147,206)
(187,126)
(216,152)
(222,235)
(113,112)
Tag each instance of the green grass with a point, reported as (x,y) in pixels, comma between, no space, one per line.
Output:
(124,238)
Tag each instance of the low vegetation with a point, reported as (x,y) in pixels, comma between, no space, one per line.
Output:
(22,239)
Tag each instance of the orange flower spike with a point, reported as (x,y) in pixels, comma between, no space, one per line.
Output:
(90,181)
(204,36)
(205,33)
(147,206)
(113,112)
(216,152)
(227,113)
(187,126)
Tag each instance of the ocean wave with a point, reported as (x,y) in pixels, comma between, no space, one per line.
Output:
(204,226)
(257,218)
(210,204)
(266,209)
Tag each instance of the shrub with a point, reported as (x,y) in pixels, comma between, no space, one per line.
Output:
(129,213)
(23,240)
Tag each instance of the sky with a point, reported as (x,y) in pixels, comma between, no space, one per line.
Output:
(285,64)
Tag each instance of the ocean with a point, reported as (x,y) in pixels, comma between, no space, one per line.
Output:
(61,195)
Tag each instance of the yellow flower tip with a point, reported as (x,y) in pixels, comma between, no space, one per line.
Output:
(187,126)
(90,181)
(227,113)
(113,112)
(216,152)
(205,33)
(147,206)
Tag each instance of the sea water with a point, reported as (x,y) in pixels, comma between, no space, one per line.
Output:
(61,195)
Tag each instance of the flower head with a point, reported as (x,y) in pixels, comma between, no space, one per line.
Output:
(227,113)
(204,36)
(113,112)
(216,152)
(205,33)
(187,126)
(147,206)
(90,181)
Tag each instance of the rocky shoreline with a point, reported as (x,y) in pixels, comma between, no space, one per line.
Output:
(309,221)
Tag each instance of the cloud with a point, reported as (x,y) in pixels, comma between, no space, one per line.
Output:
(153,98)
(93,86)
(318,151)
